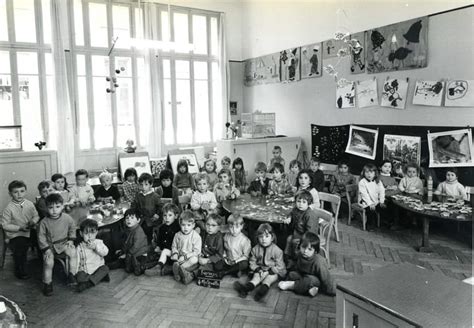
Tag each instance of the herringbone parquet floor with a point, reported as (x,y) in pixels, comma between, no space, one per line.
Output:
(129,301)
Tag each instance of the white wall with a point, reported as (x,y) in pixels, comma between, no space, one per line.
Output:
(313,101)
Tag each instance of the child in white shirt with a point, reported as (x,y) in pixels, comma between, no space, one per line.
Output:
(411,183)
(82,193)
(202,199)
(371,191)
(451,187)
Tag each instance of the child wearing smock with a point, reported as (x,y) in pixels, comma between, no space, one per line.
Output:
(183,180)
(130,186)
(239,175)
(451,187)
(279,185)
(292,175)
(411,183)
(210,167)
(82,193)
(304,182)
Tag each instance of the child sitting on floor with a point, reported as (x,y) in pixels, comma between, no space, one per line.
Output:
(225,189)
(295,167)
(90,252)
(259,186)
(239,174)
(304,182)
(107,192)
(130,185)
(203,200)
(411,183)
(18,218)
(183,180)
(266,264)
(166,188)
(210,168)
(61,186)
(371,191)
(279,184)
(312,271)
(451,187)
(212,244)
(56,235)
(185,248)
(236,248)
(82,193)
(163,238)
(45,188)
(386,178)
(317,176)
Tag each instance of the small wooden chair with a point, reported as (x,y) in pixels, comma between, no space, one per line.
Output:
(325,229)
(355,207)
(3,247)
(335,202)
(184,201)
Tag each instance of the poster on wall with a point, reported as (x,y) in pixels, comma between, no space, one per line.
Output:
(428,93)
(362,142)
(250,72)
(398,46)
(401,149)
(290,62)
(459,93)
(262,70)
(358,53)
(311,63)
(451,148)
(394,93)
(345,95)
(331,47)
(366,92)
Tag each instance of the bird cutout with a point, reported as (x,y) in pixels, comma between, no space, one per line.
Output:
(399,54)
(413,33)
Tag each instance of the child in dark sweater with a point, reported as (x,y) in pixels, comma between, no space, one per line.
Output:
(385,176)
(107,192)
(212,243)
(259,186)
(183,180)
(167,190)
(312,271)
(318,180)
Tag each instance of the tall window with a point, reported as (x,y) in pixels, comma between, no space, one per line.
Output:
(26,73)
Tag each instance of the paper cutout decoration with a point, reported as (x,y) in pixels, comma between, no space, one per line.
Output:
(311,63)
(394,93)
(367,93)
(398,46)
(428,93)
(459,93)
(401,149)
(262,70)
(362,142)
(345,95)
(451,148)
(290,62)
(358,53)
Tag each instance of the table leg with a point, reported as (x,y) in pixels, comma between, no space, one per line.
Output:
(425,239)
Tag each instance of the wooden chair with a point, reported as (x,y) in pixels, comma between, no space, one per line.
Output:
(355,207)
(325,229)
(3,247)
(335,202)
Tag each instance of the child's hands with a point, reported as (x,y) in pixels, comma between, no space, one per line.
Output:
(204,260)
(91,245)
(155,218)
(181,259)
(382,205)
(122,256)
(372,207)
(229,262)
(287,220)
(48,253)
(206,206)
(157,249)
(174,257)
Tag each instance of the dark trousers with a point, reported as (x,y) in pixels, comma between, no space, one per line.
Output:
(19,247)
(225,268)
(148,230)
(94,278)
(303,283)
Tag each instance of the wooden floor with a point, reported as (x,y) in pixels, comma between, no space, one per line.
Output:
(129,301)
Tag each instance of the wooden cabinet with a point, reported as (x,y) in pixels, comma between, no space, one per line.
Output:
(258,150)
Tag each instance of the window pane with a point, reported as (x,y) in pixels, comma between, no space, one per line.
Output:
(4,62)
(214,37)
(200,70)
(182,69)
(217,109)
(181,32)
(199,34)
(49,64)
(166,69)
(81,65)
(78,27)
(6,102)
(52,112)
(100,66)
(125,118)
(165,26)
(25,24)
(3,21)
(169,129)
(46,9)
(30,110)
(138,23)
(183,112)
(121,23)
(201,105)
(103,131)
(144,108)
(27,62)
(84,136)
(98,25)
(126,64)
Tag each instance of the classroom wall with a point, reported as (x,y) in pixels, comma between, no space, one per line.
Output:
(299,104)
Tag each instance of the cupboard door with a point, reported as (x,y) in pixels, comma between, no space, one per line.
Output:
(250,154)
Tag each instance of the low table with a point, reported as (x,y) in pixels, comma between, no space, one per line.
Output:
(13,316)
(80,213)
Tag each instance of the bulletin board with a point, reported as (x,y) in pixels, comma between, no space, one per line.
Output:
(329,144)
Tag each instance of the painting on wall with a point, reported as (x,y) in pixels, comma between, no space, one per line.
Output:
(428,93)
(262,70)
(358,53)
(367,93)
(394,93)
(401,149)
(331,47)
(345,95)
(250,72)
(311,63)
(459,93)
(450,148)
(362,142)
(398,46)
(290,62)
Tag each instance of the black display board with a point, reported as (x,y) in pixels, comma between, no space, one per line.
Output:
(329,144)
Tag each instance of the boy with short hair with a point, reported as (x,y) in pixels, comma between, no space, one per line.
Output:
(45,188)
(185,248)
(212,243)
(56,235)
(202,200)
(279,185)
(148,203)
(312,270)
(166,188)
(19,216)
(107,192)
(318,180)
(259,186)
(276,157)
(91,268)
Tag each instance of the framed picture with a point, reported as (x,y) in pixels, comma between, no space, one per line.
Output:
(10,138)
(140,161)
(233,107)
(362,142)
(401,149)
(174,156)
(451,148)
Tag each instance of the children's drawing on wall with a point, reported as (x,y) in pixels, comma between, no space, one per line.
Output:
(451,148)
(345,95)
(367,93)
(362,142)
(459,93)
(358,53)
(398,46)
(262,70)
(290,65)
(250,72)
(311,63)
(428,93)
(401,149)
(331,47)
(394,93)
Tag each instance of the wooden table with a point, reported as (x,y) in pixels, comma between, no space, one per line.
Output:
(432,211)
(403,295)
(13,316)
(80,213)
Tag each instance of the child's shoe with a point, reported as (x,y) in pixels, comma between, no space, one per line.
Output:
(47,289)
(176,275)
(262,290)
(155,271)
(106,278)
(186,276)
(167,270)
(313,291)
(71,280)
(241,289)
(82,286)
